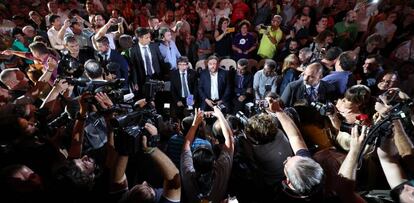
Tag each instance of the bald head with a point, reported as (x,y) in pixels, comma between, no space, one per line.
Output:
(29,31)
(312,74)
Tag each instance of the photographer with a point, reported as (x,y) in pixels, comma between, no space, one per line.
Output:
(263,150)
(304,176)
(171,190)
(71,64)
(204,177)
(346,111)
(82,175)
(401,187)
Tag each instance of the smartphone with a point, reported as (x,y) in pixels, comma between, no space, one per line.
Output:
(231,29)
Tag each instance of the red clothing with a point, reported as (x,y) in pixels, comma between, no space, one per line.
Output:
(240,11)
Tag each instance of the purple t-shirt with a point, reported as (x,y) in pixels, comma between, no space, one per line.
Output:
(244,43)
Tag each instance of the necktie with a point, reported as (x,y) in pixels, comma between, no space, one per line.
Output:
(147,62)
(241,81)
(312,94)
(184,85)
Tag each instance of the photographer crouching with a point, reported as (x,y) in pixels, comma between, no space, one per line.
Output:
(266,165)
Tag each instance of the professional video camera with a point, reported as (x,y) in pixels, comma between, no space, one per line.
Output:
(259,106)
(323,109)
(47,127)
(382,129)
(69,66)
(152,87)
(113,89)
(129,129)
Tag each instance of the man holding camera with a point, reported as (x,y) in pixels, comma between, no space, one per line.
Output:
(205,178)
(71,64)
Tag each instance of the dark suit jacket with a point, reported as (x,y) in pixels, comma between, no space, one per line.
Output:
(247,83)
(204,87)
(176,86)
(116,57)
(138,74)
(296,90)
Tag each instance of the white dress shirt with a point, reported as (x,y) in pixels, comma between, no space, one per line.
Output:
(214,86)
(142,49)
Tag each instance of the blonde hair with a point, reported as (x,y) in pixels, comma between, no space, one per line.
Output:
(289,61)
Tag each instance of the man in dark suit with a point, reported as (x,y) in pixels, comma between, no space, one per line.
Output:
(146,60)
(214,85)
(243,86)
(310,88)
(106,55)
(183,87)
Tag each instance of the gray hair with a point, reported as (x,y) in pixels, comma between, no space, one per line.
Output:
(305,175)
(6,73)
(307,51)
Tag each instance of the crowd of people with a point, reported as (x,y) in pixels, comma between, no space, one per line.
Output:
(207,101)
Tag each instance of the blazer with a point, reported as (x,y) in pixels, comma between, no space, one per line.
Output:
(138,74)
(123,63)
(204,87)
(247,83)
(296,90)
(176,86)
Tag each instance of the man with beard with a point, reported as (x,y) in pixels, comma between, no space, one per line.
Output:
(346,31)
(101,29)
(291,47)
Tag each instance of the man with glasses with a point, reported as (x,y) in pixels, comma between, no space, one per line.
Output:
(183,87)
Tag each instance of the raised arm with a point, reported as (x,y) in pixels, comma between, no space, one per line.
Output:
(225,127)
(62,30)
(189,138)
(388,156)
(170,173)
(295,138)
(347,171)
(52,63)
(75,149)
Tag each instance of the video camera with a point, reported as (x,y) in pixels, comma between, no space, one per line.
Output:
(129,129)
(113,89)
(383,128)
(151,87)
(69,66)
(258,107)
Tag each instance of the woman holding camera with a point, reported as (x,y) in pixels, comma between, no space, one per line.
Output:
(223,38)
(348,111)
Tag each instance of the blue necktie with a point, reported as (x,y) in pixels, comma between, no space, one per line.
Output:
(184,85)
(312,94)
(147,62)
(241,81)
